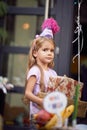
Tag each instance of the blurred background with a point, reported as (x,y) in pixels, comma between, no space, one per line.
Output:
(20,21)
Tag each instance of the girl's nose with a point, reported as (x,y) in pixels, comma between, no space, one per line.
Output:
(49,53)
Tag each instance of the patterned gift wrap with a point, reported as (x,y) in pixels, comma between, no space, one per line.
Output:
(64,84)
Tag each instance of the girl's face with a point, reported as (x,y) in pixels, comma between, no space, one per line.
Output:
(45,53)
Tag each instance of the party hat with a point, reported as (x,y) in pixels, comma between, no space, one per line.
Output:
(49,28)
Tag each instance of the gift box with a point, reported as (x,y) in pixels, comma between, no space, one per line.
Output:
(64,84)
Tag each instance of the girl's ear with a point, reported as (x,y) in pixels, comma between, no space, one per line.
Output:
(35,53)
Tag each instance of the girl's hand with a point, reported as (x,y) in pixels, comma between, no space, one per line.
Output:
(40,104)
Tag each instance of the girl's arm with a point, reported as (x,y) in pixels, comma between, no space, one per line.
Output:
(29,91)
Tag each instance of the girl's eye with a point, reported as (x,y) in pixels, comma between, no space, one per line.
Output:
(45,49)
(52,50)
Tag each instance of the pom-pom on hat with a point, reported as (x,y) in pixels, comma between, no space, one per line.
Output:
(49,28)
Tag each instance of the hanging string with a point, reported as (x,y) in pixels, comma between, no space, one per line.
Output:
(79,31)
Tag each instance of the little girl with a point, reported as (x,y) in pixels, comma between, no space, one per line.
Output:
(40,64)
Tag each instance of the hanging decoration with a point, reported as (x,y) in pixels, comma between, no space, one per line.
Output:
(79,31)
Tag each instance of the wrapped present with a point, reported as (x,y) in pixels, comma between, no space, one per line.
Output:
(64,84)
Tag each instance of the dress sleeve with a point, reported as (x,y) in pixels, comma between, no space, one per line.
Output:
(34,71)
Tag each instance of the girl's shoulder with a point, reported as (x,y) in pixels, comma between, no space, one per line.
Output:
(34,71)
(35,67)
(52,71)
